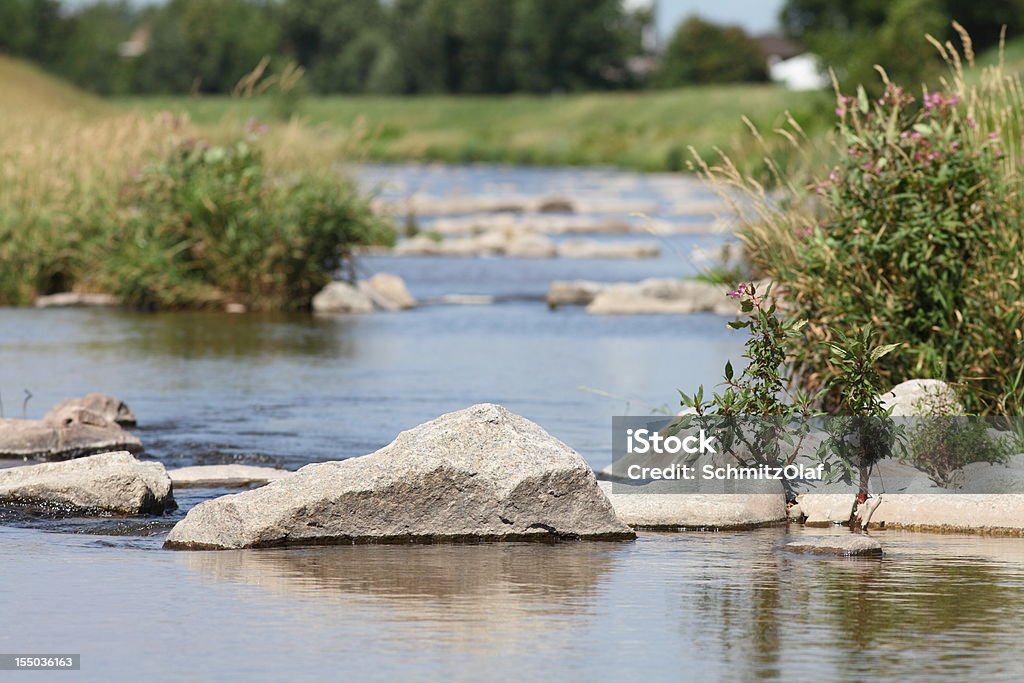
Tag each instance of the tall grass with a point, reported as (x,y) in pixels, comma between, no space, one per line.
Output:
(163,212)
(912,226)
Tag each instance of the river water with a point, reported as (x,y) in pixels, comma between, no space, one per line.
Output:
(288,390)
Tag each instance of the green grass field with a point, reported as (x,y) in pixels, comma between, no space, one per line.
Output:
(643,130)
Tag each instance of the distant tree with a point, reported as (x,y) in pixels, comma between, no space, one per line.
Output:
(207,44)
(703,52)
(30,28)
(483,31)
(89,55)
(851,36)
(569,44)
(336,42)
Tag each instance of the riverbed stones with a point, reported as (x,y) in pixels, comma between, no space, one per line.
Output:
(481,473)
(843,545)
(74,432)
(388,292)
(596,249)
(530,245)
(111,408)
(107,483)
(650,509)
(341,297)
(224,476)
(659,296)
(573,292)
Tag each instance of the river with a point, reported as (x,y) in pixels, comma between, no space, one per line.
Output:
(288,390)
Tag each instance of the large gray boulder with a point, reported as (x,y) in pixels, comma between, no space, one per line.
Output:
(109,483)
(72,433)
(481,473)
(111,408)
(341,297)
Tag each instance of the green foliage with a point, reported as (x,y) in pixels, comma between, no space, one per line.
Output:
(213,227)
(206,226)
(755,413)
(863,433)
(853,36)
(702,52)
(919,233)
(942,446)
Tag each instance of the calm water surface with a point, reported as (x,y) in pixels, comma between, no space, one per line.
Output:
(213,388)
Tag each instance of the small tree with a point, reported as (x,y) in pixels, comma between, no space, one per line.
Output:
(702,52)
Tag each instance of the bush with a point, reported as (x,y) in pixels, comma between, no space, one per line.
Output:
(915,230)
(209,225)
(702,52)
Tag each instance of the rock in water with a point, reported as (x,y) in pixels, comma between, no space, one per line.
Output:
(341,297)
(217,476)
(479,474)
(106,483)
(846,545)
(79,432)
(388,292)
(650,508)
(113,409)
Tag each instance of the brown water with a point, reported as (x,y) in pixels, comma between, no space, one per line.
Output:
(214,388)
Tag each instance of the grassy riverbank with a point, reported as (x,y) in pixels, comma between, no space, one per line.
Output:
(642,130)
(161,212)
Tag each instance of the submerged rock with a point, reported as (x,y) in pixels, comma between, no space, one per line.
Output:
(478,474)
(845,545)
(114,483)
(216,476)
(651,510)
(530,245)
(341,297)
(112,409)
(72,432)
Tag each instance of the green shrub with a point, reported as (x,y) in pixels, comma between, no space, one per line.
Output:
(915,230)
(209,225)
(941,446)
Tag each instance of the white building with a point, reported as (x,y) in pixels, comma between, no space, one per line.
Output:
(802,72)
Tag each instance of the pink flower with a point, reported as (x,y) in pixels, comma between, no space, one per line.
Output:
(742,289)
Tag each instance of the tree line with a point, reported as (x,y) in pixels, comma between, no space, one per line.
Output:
(463,46)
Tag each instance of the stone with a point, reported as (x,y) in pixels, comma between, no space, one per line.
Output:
(76,300)
(528,245)
(418,245)
(951,512)
(595,249)
(224,476)
(795,513)
(826,509)
(341,297)
(573,292)
(555,205)
(844,545)
(108,483)
(656,296)
(478,474)
(651,510)
(922,398)
(77,433)
(111,408)
(388,292)
(235,308)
